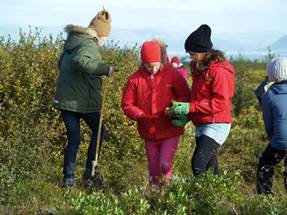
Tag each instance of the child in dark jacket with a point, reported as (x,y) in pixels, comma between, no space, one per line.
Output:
(274,103)
(78,91)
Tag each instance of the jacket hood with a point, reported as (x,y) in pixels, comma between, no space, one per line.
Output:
(225,65)
(279,88)
(78,34)
(163,52)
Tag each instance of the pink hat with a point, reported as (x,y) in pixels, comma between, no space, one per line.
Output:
(150,52)
(175,60)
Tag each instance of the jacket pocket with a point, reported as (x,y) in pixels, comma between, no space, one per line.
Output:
(163,122)
(95,82)
(95,90)
(148,126)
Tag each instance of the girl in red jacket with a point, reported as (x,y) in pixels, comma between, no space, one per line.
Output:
(147,93)
(210,107)
(175,62)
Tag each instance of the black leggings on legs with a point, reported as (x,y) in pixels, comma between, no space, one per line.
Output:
(205,155)
(265,169)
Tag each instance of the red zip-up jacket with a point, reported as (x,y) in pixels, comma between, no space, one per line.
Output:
(148,94)
(211,94)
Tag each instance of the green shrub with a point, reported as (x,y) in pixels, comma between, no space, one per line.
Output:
(248,75)
(32,139)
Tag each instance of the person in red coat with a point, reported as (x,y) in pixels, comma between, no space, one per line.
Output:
(147,93)
(210,107)
(175,62)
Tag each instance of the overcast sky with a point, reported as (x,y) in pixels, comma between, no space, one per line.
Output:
(224,16)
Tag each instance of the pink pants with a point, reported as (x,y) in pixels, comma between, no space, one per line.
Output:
(160,155)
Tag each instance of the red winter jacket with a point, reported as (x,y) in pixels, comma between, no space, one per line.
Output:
(151,95)
(211,94)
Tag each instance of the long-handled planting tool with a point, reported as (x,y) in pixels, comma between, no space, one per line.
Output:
(97,177)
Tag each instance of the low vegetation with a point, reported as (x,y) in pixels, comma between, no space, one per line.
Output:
(32,140)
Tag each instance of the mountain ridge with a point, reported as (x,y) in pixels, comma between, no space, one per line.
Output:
(256,44)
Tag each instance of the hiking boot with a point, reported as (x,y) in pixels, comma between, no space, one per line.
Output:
(69,182)
(96,180)
(87,177)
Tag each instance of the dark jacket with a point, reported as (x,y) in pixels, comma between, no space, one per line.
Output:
(274,107)
(79,84)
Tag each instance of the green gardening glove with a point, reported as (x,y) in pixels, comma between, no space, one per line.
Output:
(180,108)
(180,120)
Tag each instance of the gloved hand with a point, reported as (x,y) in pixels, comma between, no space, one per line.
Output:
(145,116)
(180,108)
(180,120)
(167,112)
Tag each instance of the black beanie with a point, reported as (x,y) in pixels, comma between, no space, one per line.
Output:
(199,40)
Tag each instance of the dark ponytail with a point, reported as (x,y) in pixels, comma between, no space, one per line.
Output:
(213,55)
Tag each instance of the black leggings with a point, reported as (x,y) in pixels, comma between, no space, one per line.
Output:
(205,155)
(265,169)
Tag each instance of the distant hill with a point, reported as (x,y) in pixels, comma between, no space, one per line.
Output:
(280,44)
(174,39)
(278,47)
(227,45)
(251,45)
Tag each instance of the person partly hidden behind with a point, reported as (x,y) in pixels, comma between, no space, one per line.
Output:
(79,85)
(210,107)
(176,63)
(274,109)
(148,91)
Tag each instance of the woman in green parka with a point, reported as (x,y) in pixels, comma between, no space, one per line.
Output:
(79,86)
